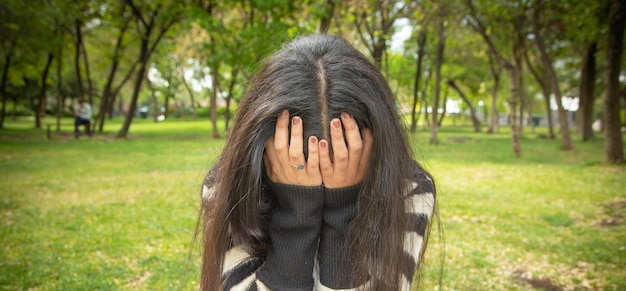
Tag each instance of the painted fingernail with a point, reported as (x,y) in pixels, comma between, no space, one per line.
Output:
(336,123)
(296,120)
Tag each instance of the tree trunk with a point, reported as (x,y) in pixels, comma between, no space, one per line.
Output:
(79,77)
(146,51)
(106,101)
(587,89)
(143,63)
(563,121)
(479,27)
(213,109)
(328,16)
(231,88)
(494,120)
(518,52)
(40,112)
(444,108)
(113,97)
(421,43)
(613,143)
(191,96)
(87,73)
(154,101)
(5,75)
(377,53)
(549,117)
(475,120)
(166,104)
(425,100)
(438,64)
(553,80)
(515,134)
(540,78)
(60,98)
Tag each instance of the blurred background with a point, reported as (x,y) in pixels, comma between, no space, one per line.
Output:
(518,107)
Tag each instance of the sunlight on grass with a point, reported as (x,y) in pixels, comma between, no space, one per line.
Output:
(120,214)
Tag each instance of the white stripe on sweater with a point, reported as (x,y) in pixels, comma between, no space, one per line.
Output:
(422,203)
(413,245)
(233,258)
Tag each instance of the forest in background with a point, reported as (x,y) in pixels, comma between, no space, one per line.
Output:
(525,60)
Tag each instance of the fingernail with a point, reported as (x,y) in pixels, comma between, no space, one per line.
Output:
(336,123)
(345,115)
(313,139)
(284,113)
(323,143)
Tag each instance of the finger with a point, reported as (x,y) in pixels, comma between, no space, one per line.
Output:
(340,150)
(368,142)
(326,167)
(296,152)
(313,165)
(353,139)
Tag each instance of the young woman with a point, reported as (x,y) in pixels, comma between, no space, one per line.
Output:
(316,188)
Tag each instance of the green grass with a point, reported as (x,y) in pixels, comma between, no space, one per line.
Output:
(110,214)
(549,218)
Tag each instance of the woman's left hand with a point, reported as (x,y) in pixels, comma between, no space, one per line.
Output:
(350,156)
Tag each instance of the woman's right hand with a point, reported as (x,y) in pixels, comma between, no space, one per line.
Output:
(285,162)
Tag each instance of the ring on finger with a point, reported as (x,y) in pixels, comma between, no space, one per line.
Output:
(300,167)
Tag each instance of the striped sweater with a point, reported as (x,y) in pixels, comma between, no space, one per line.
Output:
(307,231)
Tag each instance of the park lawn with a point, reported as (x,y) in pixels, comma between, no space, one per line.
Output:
(120,214)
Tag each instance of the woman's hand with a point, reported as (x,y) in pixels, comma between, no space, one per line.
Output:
(350,157)
(284,162)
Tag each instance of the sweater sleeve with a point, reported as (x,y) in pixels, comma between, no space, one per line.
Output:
(294,232)
(339,208)
(419,209)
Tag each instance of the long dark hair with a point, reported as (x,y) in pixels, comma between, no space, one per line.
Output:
(315,77)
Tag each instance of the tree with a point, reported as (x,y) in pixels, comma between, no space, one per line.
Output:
(422,32)
(153,22)
(494,69)
(120,19)
(478,25)
(374,19)
(613,143)
(547,61)
(587,91)
(438,63)
(421,44)
(5,75)
(326,15)
(540,77)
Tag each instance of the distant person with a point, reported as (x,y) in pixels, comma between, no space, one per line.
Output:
(82,114)
(316,188)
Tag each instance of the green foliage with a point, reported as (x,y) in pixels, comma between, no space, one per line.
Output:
(234,37)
